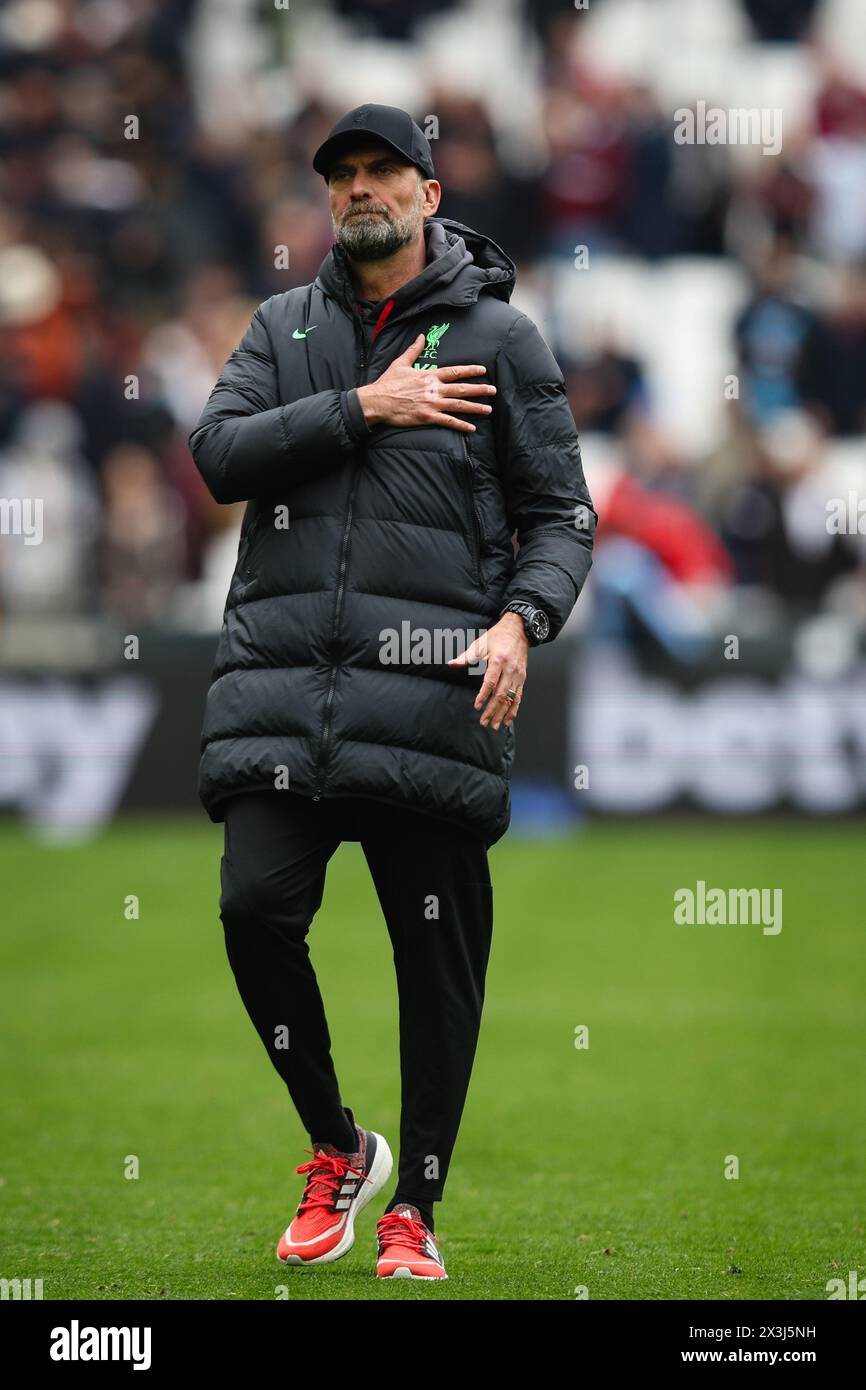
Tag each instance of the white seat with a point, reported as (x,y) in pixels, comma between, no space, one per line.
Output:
(841,25)
(634,39)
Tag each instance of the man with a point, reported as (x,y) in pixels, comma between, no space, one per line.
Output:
(390,425)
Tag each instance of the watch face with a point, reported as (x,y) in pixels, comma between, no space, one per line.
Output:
(540,624)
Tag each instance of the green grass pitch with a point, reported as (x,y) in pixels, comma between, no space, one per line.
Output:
(601,1167)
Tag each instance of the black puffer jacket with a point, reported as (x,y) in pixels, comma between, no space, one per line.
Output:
(352,532)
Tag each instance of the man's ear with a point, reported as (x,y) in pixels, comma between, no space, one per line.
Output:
(432,196)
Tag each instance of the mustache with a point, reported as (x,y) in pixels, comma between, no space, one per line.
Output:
(361,212)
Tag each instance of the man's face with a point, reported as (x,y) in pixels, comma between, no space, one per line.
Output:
(378,201)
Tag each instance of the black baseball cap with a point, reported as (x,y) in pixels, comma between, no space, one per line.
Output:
(388,123)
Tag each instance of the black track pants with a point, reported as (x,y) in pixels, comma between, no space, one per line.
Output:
(433,883)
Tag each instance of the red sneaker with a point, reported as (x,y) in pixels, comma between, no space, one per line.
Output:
(338,1186)
(407,1248)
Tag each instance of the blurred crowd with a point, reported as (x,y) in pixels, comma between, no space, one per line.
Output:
(140,213)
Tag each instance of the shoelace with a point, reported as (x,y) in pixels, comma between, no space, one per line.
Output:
(396,1226)
(326,1172)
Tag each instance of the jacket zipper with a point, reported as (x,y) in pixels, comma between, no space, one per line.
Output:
(338,604)
(474,519)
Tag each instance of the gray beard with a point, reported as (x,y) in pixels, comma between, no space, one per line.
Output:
(374,236)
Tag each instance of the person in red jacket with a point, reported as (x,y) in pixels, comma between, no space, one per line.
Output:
(678,536)
(658,559)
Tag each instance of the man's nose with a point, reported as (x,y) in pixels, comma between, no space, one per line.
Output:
(362,184)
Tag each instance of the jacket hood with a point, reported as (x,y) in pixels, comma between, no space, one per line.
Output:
(461,264)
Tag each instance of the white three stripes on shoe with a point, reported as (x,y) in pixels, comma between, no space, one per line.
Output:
(347,1192)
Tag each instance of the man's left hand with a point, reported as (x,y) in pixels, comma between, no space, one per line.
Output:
(506,648)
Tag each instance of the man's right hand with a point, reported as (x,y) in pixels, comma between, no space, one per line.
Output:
(404,395)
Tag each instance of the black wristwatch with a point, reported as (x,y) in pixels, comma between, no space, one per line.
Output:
(536,623)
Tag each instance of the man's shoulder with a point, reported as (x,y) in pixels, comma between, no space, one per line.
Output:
(497,315)
(285,302)
(508,326)
(520,346)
